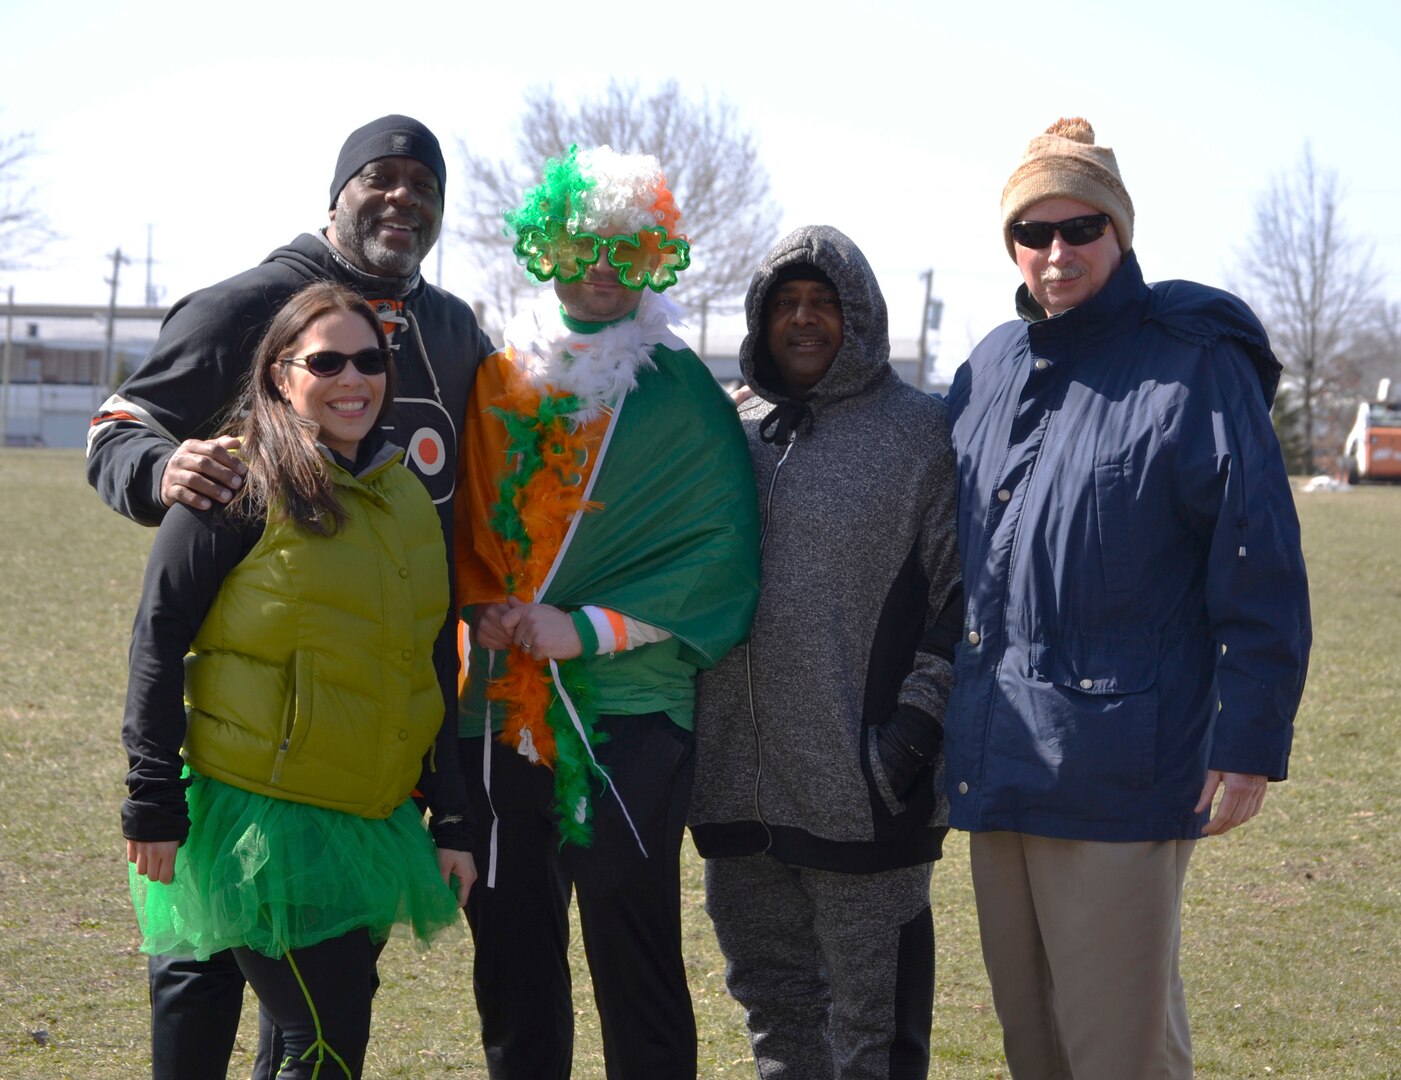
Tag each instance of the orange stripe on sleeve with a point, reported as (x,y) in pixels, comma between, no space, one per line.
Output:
(107,418)
(619,628)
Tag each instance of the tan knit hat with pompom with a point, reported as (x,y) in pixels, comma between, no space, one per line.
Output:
(1065,163)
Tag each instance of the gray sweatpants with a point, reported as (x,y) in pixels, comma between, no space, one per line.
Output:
(835,971)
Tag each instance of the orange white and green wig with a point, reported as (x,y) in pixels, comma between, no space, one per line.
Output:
(595,204)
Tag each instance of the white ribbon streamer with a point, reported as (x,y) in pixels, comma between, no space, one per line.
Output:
(583,738)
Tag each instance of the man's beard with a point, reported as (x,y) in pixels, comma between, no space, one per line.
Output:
(357,234)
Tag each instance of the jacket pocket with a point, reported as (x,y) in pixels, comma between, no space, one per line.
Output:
(296,713)
(1113,495)
(1097,713)
(895,818)
(879,780)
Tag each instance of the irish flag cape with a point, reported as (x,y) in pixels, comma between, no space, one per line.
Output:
(636,495)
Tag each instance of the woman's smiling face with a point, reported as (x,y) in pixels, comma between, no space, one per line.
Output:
(344,407)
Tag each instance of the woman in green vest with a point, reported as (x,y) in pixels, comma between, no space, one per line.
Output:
(284,702)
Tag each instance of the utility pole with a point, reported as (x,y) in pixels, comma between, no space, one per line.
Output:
(153,297)
(5,383)
(109,373)
(933,315)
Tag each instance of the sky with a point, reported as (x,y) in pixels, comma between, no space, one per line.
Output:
(217,127)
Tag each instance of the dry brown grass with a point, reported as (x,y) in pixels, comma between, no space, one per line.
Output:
(1291,926)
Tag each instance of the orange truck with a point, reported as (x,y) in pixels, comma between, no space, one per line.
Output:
(1373,447)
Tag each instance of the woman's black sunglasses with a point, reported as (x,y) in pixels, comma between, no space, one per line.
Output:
(1076,231)
(328,363)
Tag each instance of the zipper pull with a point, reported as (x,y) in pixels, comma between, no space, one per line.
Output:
(277,761)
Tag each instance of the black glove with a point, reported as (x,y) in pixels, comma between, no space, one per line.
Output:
(908,742)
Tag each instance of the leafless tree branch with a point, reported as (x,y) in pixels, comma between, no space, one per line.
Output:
(24,230)
(1317,291)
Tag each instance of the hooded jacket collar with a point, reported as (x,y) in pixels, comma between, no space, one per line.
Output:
(1191,312)
(1112,310)
(864,356)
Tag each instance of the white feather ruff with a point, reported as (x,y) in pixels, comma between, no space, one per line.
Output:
(597,368)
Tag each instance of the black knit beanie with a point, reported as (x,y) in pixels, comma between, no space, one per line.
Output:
(800,271)
(389,136)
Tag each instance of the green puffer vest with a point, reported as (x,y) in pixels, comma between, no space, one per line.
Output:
(312,678)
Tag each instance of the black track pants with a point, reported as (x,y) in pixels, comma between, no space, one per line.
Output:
(629,910)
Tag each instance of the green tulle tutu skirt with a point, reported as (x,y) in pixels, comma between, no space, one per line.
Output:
(273,875)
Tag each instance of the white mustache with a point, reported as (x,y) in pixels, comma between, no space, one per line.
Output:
(1063,273)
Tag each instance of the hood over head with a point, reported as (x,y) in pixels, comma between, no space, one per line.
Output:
(864,356)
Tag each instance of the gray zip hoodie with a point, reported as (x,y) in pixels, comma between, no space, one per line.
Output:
(856,489)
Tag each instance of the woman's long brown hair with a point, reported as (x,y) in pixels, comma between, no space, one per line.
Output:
(287,471)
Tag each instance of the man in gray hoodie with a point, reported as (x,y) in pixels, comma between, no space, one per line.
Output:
(819,768)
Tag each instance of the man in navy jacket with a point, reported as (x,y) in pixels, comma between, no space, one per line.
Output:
(1137,625)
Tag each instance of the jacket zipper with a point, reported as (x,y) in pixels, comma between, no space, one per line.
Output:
(748,669)
(286,741)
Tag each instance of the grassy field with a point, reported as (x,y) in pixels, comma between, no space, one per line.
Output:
(1292,924)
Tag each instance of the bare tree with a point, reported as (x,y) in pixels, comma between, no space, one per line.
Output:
(712,167)
(1287,418)
(1315,288)
(24,230)
(1377,350)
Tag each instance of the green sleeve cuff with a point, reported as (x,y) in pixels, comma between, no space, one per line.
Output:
(588,636)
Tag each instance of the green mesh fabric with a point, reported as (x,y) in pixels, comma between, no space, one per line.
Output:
(274,875)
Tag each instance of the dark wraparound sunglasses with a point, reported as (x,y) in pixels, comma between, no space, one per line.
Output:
(1076,231)
(326,364)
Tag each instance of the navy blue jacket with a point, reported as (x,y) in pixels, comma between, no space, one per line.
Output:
(1137,608)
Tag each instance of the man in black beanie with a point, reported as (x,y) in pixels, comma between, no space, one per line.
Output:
(156,441)
(379,234)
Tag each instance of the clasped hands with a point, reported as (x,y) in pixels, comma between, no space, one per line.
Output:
(543,631)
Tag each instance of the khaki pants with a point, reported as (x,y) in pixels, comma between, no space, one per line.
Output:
(1081,944)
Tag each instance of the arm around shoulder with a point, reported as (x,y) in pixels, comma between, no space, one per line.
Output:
(173,403)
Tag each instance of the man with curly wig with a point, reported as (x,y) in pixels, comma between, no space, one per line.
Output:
(606,551)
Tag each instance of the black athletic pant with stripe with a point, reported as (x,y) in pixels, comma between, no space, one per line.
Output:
(629,910)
